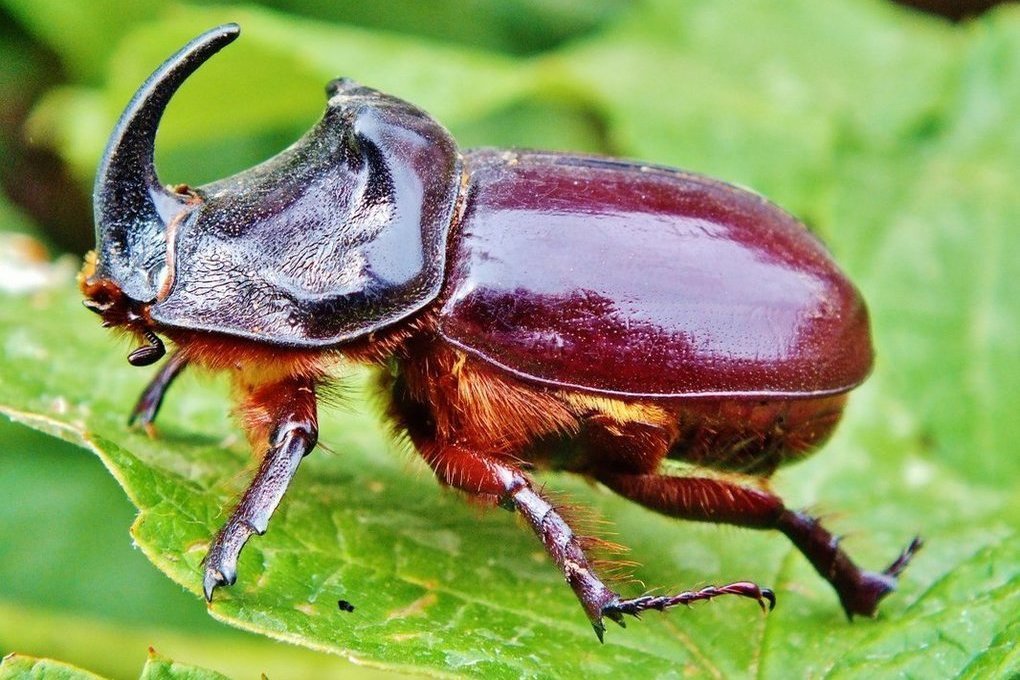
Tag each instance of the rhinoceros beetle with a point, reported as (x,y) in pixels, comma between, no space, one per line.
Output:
(590,314)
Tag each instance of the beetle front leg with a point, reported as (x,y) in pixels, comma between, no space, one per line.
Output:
(148,404)
(494,478)
(290,407)
(715,500)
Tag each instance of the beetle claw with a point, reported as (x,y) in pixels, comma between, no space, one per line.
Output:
(142,417)
(901,562)
(221,561)
(214,578)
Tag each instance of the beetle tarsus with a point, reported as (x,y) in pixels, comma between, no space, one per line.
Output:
(483,474)
(717,500)
(633,607)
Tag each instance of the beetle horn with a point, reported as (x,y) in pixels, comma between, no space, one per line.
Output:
(132,208)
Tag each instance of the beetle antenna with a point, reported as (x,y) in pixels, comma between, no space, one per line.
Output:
(150,353)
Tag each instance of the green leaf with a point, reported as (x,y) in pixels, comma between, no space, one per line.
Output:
(63,509)
(898,139)
(513,26)
(391,543)
(157,667)
(13,220)
(114,645)
(20,667)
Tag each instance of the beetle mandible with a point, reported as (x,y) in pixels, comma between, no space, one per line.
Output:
(578,312)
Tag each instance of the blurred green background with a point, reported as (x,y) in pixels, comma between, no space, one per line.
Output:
(794,101)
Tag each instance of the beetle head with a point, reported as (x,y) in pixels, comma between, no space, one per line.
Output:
(338,235)
(132,209)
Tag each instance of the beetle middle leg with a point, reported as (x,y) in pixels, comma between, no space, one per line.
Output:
(494,478)
(147,407)
(471,427)
(717,500)
(286,412)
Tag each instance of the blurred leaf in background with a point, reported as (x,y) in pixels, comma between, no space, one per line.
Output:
(16,667)
(895,135)
(157,667)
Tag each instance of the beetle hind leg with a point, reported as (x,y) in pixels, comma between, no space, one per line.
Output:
(720,501)
(860,591)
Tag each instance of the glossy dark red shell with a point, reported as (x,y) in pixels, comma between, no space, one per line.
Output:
(625,279)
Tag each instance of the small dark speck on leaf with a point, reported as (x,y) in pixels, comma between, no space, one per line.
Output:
(345,606)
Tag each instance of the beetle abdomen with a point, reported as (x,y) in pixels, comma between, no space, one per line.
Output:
(614,277)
